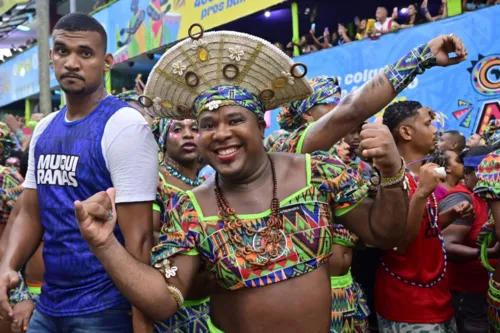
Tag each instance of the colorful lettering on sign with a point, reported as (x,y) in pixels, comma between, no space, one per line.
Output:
(489,111)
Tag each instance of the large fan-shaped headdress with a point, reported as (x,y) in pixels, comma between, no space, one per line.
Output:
(210,70)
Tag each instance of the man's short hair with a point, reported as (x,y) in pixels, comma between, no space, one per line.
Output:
(82,22)
(459,139)
(395,113)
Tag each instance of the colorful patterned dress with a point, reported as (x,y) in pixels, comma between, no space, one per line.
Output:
(488,188)
(332,190)
(194,315)
(11,189)
(349,308)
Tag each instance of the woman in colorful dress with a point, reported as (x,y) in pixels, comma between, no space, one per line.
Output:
(21,298)
(179,160)
(326,95)
(264,245)
(349,309)
(179,166)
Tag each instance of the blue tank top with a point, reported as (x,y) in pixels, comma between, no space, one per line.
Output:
(69,166)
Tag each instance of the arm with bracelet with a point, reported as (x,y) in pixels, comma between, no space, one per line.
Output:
(429,180)
(381,221)
(375,94)
(156,291)
(19,293)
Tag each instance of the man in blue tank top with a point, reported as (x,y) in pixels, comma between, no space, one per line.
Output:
(95,142)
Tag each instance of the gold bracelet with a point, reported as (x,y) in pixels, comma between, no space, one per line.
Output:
(398,178)
(176,294)
(167,270)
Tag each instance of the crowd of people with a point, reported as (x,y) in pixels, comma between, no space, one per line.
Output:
(415,14)
(168,211)
(14,50)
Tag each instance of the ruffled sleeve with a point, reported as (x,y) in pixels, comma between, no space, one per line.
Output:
(183,234)
(343,187)
(291,142)
(488,173)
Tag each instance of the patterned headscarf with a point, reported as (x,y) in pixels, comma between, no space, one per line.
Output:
(214,98)
(160,128)
(290,116)
(7,142)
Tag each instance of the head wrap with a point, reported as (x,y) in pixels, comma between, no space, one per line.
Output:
(275,139)
(290,116)
(217,97)
(160,128)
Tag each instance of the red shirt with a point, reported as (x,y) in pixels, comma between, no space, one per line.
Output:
(471,277)
(423,263)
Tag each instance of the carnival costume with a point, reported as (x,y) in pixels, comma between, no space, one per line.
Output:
(193,316)
(211,70)
(11,188)
(216,69)
(349,307)
(488,188)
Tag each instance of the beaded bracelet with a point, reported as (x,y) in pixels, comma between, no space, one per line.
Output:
(402,73)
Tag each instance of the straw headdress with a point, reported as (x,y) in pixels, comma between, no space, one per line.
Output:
(223,58)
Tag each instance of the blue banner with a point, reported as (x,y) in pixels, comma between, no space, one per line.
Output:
(466,96)
(19,77)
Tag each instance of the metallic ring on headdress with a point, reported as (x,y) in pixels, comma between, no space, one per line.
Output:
(266,94)
(145,101)
(192,79)
(451,35)
(230,71)
(197,36)
(295,66)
